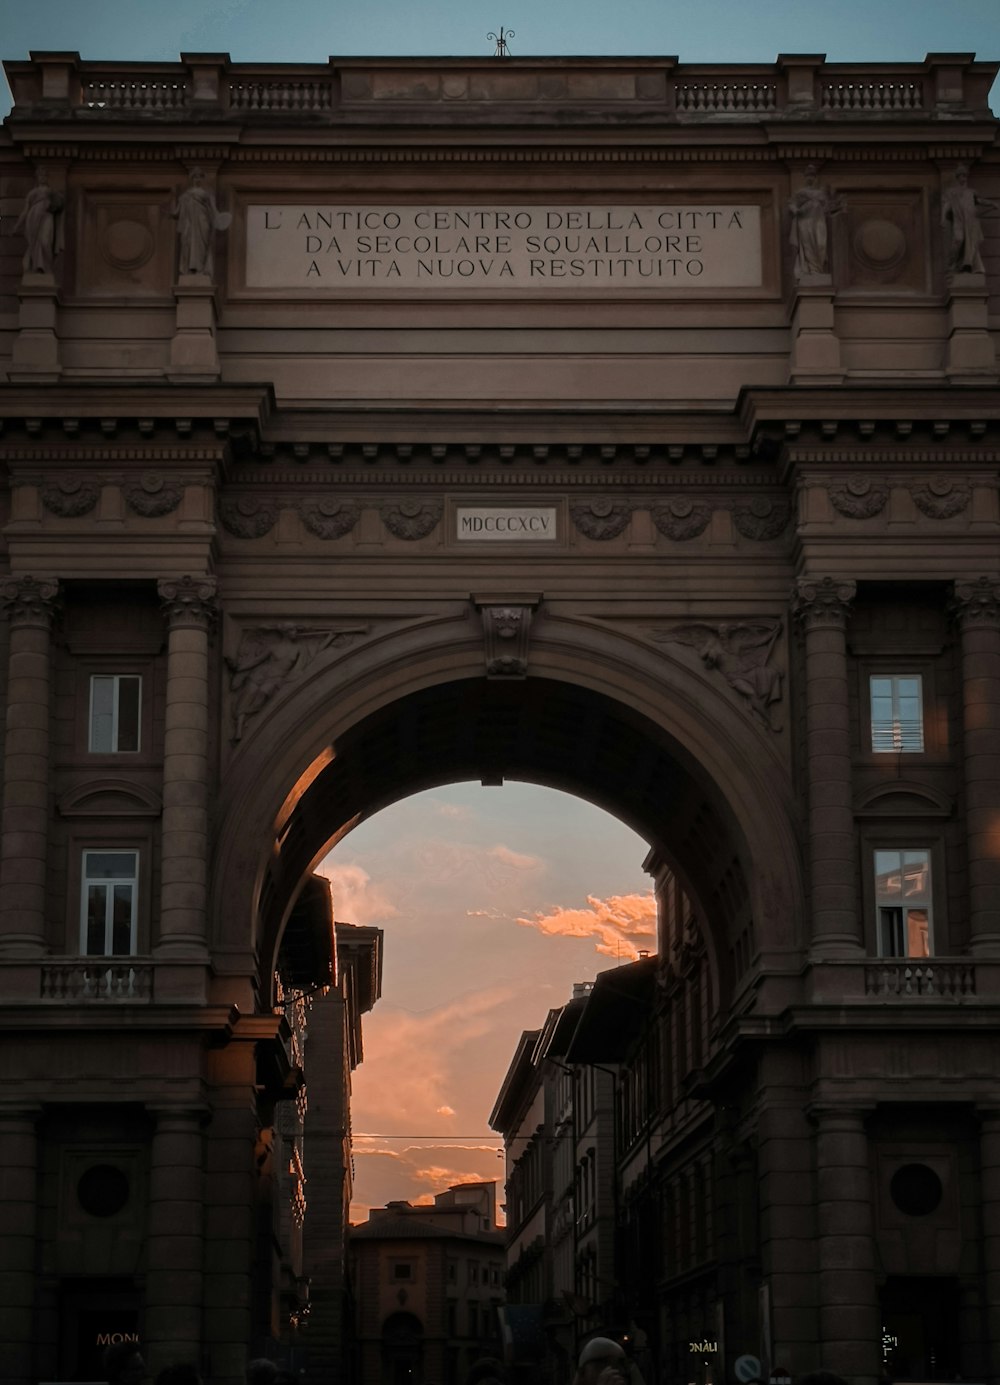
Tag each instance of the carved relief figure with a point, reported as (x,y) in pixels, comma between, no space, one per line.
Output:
(267,658)
(198,219)
(810,208)
(41,223)
(740,653)
(960,206)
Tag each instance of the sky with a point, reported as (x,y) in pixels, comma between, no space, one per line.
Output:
(493,903)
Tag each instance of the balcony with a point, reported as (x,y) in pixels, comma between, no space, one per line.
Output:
(916,979)
(97,981)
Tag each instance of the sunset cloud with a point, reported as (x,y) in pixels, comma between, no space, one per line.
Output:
(356,899)
(444,1111)
(616,923)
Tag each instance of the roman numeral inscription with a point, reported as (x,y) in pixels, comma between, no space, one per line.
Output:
(659,250)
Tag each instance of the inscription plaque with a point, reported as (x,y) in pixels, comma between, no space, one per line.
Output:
(657,249)
(506,524)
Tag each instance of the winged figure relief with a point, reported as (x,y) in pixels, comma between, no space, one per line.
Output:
(740,652)
(268,657)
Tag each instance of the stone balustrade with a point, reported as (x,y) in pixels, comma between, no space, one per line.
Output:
(96,979)
(797,86)
(930,979)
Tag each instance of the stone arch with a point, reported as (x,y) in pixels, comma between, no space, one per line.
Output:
(657,741)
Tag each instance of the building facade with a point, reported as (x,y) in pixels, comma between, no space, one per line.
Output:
(429,1281)
(624,425)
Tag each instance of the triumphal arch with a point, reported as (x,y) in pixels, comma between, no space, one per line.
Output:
(624,425)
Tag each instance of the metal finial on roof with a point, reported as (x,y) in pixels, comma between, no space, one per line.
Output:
(500,39)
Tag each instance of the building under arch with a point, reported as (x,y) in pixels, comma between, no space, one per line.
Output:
(622,424)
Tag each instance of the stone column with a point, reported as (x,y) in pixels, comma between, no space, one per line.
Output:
(977,609)
(850,1330)
(820,605)
(18,1215)
(190,607)
(30,603)
(989,1162)
(175,1239)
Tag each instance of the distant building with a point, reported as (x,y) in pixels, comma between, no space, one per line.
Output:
(428,1283)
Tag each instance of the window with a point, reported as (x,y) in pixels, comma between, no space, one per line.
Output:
(108,903)
(903,903)
(897,713)
(473,1272)
(115,700)
(402,1269)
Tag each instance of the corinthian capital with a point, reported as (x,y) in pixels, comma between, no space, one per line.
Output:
(822,601)
(977,603)
(189,601)
(30,600)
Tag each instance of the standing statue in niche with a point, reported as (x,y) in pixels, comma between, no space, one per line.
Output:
(41,223)
(960,206)
(810,209)
(198,219)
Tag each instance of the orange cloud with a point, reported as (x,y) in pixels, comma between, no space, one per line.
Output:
(445,1111)
(615,922)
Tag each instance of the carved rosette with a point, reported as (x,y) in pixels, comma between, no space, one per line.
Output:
(412,519)
(329,519)
(506,627)
(601,518)
(70,496)
(859,497)
(30,600)
(763,518)
(977,603)
(248,517)
(940,497)
(189,601)
(150,495)
(681,518)
(822,601)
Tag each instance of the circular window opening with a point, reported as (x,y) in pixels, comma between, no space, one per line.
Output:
(103,1190)
(916,1190)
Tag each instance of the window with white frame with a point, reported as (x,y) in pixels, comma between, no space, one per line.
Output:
(897,713)
(108,902)
(903,902)
(115,704)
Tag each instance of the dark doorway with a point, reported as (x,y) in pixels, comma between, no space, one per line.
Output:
(920,1326)
(94,1313)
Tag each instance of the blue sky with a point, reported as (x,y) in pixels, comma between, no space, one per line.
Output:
(312,30)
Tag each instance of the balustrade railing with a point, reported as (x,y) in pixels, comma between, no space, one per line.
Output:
(920,980)
(97,979)
(725,98)
(134,95)
(872,97)
(292,97)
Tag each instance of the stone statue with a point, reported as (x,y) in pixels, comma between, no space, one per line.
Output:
(198,219)
(41,223)
(740,653)
(810,208)
(267,658)
(959,208)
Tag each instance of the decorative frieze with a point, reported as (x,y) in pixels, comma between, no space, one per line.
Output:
(412,519)
(328,518)
(941,497)
(681,518)
(150,495)
(763,518)
(601,518)
(70,496)
(859,497)
(248,517)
